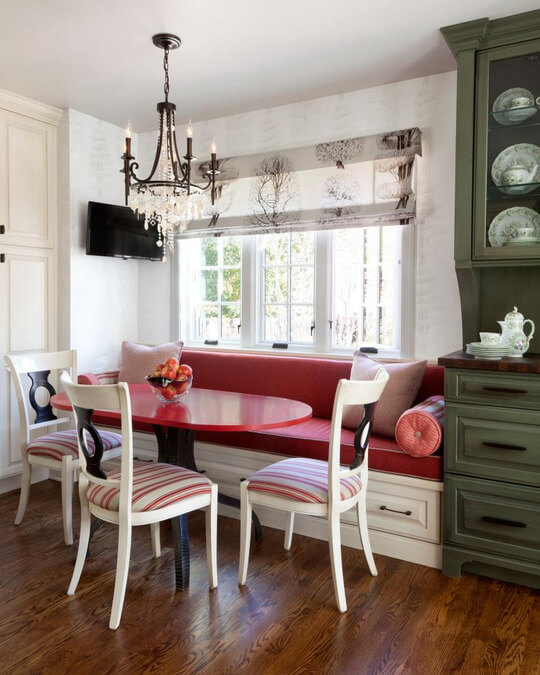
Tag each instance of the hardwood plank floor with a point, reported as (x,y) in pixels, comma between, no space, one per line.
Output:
(409,619)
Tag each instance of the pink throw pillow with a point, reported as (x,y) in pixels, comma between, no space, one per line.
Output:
(138,361)
(398,396)
(419,430)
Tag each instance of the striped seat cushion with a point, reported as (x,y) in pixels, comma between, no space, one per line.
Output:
(304,480)
(155,486)
(62,443)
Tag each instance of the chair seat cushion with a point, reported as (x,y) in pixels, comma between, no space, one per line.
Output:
(62,443)
(310,439)
(155,486)
(304,480)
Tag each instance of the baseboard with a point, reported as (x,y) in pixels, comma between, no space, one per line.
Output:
(225,465)
(14,482)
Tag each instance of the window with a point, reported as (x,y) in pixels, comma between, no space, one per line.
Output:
(216,306)
(319,291)
(366,288)
(287,288)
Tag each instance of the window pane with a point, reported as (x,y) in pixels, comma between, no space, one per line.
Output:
(209,321)
(275,284)
(371,285)
(370,326)
(231,286)
(230,320)
(302,247)
(302,284)
(231,251)
(389,244)
(346,330)
(209,282)
(209,252)
(371,245)
(301,321)
(276,248)
(275,323)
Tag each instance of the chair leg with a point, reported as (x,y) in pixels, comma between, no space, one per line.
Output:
(84,536)
(334,540)
(26,480)
(245,532)
(364,534)
(211,539)
(156,539)
(289,531)
(122,568)
(67,499)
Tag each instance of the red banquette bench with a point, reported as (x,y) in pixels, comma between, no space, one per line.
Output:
(313,381)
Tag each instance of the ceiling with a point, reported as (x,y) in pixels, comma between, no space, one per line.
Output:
(97,56)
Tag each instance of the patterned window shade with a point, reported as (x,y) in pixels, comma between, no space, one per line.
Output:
(356,182)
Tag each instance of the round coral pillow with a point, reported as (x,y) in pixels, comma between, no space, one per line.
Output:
(419,431)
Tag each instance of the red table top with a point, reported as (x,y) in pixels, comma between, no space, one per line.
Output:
(205,409)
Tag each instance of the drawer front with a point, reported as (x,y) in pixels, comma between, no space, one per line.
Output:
(493,443)
(494,517)
(507,390)
(405,510)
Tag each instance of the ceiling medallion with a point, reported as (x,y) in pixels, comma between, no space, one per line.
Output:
(167,198)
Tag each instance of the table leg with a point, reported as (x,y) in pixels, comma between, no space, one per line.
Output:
(176,446)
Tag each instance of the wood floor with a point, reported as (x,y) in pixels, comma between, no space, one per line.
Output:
(410,619)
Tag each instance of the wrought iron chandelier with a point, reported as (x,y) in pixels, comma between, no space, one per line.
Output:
(167,198)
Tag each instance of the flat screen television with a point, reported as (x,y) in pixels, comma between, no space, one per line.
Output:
(116,231)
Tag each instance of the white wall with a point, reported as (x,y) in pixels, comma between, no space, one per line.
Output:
(98,296)
(429,103)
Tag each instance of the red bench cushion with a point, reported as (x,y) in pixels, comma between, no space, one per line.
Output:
(310,439)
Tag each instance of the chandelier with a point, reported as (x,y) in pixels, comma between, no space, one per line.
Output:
(167,198)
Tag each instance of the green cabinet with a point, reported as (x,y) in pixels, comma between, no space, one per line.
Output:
(497,207)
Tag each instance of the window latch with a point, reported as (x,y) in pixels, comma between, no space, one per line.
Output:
(330,323)
(312,328)
(238,327)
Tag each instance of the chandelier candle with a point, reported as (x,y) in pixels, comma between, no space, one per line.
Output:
(167,198)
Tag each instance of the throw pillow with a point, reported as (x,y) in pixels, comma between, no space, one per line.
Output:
(138,361)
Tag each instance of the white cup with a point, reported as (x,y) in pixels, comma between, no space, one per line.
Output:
(490,338)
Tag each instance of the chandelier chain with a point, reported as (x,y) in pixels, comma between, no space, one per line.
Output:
(166,69)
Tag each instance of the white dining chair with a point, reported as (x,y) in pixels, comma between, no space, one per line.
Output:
(57,450)
(138,493)
(317,488)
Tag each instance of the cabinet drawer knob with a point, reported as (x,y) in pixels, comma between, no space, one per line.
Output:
(405,513)
(505,390)
(2,257)
(503,446)
(503,521)
(2,229)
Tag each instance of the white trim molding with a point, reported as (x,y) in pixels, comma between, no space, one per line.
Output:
(413,535)
(30,108)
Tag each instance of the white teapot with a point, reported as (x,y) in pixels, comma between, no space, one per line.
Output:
(513,334)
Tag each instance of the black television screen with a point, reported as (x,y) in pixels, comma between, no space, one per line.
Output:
(116,231)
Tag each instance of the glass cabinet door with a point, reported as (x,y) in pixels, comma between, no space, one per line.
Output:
(507,190)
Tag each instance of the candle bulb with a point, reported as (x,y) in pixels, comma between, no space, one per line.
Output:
(189,136)
(127,146)
(189,130)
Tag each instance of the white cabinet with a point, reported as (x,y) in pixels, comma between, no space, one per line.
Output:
(27,181)
(28,203)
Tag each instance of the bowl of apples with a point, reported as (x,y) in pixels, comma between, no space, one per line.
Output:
(171,380)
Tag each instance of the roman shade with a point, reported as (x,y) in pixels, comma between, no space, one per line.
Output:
(354,182)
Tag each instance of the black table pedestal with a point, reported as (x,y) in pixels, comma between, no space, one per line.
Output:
(176,446)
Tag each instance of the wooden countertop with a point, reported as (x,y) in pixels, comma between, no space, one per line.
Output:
(530,363)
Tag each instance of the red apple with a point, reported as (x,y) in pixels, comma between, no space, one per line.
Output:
(168,392)
(182,387)
(160,367)
(172,362)
(184,369)
(170,373)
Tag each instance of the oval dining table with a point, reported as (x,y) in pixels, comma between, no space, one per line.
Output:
(175,426)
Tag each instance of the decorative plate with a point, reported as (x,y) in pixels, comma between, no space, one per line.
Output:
(506,114)
(524,155)
(506,225)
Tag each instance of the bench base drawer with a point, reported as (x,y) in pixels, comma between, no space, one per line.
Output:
(493,517)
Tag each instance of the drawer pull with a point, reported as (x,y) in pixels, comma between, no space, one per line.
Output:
(505,390)
(503,446)
(405,513)
(503,521)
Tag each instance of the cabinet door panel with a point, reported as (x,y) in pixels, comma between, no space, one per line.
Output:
(26,324)
(28,179)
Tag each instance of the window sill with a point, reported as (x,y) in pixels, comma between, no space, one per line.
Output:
(298,352)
